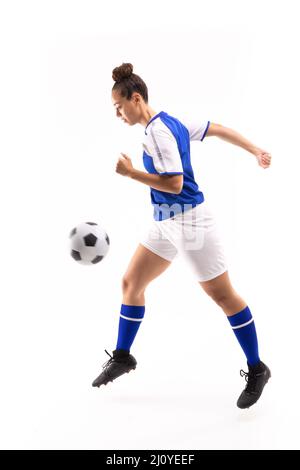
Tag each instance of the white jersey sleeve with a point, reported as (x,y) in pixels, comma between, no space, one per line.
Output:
(197,128)
(165,153)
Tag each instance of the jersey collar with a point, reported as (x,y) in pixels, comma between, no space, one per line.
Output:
(152,119)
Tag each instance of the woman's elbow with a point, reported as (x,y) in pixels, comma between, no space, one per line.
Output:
(178,190)
(174,184)
(178,184)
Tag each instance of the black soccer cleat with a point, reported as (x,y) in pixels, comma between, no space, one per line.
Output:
(118,364)
(256,379)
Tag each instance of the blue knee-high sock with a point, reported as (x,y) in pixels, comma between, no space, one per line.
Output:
(244,329)
(131,317)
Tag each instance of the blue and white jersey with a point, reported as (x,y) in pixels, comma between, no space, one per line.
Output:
(166,147)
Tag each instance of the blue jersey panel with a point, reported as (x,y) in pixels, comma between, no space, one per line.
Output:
(167,204)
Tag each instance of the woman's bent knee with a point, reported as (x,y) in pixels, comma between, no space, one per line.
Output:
(222,301)
(130,285)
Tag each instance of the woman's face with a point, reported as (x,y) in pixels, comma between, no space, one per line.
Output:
(127,110)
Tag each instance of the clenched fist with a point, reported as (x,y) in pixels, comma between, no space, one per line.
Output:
(124,165)
(263,158)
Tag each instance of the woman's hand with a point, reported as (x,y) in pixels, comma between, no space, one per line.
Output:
(124,165)
(263,158)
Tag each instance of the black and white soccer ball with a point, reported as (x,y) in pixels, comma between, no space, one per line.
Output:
(89,243)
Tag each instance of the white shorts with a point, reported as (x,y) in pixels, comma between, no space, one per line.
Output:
(193,234)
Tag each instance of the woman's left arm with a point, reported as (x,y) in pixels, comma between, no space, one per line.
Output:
(263,157)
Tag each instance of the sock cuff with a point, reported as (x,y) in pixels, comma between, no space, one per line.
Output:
(133,311)
(238,319)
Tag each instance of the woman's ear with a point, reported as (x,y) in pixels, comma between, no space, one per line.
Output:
(136,98)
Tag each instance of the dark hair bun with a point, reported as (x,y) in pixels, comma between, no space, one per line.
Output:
(124,71)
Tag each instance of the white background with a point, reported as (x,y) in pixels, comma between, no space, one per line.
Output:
(234,63)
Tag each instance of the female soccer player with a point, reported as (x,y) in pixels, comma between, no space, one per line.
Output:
(183,224)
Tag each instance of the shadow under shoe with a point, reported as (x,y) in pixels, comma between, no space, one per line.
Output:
(256,379)
(118,364)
